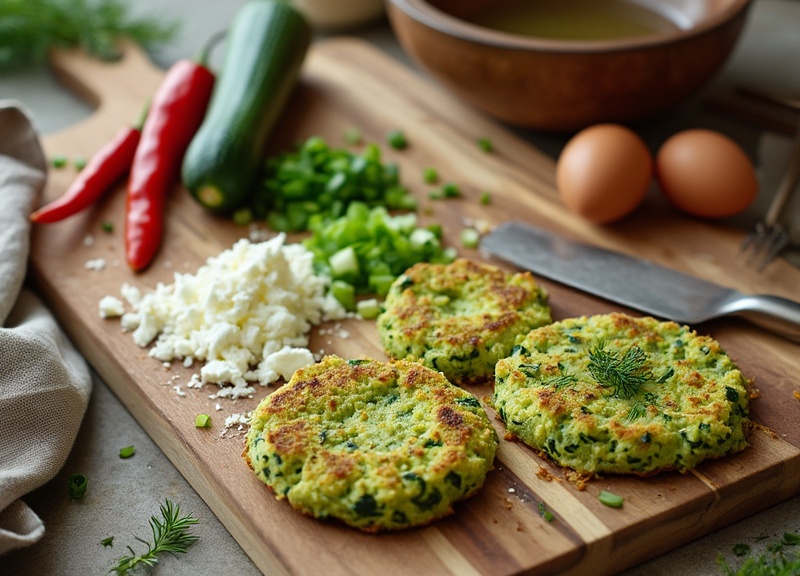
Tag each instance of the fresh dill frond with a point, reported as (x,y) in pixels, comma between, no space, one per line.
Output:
(625,374)
(170,535)
(29,29)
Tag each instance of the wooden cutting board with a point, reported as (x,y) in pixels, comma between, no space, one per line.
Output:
(346,83)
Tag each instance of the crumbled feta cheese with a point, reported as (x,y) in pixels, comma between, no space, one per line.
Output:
(95,264)
(246,313)
(111,307)
(88,240)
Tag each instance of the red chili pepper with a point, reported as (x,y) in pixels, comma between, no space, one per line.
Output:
(176,111)
(106,167)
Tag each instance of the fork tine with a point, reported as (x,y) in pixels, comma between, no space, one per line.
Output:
(773,246)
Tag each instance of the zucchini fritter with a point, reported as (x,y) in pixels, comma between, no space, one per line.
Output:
(460,318)
(380,446)
(613,393)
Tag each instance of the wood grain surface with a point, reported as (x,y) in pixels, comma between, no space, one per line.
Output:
(346,83)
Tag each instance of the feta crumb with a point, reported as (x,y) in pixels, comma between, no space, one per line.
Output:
(95,264)
(178,391)
(111,307)
(88,240)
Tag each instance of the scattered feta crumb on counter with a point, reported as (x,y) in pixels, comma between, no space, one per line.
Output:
(111,307)
(88,240)
(178,391)
(97,264)
(245,313)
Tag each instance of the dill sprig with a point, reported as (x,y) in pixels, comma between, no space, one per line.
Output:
(170,534)
(625,374)
(29,29)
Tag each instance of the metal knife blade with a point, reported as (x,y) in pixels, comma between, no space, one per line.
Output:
(638,284)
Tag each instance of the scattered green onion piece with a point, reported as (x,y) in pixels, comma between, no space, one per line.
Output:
(451,190)
(430,175)
(79,162)
(545,513)
(368,309)
(470,238)
(76,486)
(107,542)
(127,452)
(791,538)
(107,226)
(436,194)
(242,216)
(58,161)
(485,144)
(353,136)
(397,139)
(610,499)
(202,421)
(486,198)
(741,549)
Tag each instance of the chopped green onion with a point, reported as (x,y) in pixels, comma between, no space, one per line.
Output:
(791,538)
(107,226)
(76,486)
(368,309)
(470,238)
(79,162)
(610,499)
(127,452)
(486,198)
(353,136)
(485,144)
(58,161)
(107,542)
(242,216)
(345,293)
(545,513)
(451,190)
(397,139)
(317,182)
(430,175)
(202,421)
(436,194)
(741,549)
(344,263)
(367,248)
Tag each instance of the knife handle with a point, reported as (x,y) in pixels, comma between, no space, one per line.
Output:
(776,314)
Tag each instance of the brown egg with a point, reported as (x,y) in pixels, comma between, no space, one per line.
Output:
(706,174)
(603,172)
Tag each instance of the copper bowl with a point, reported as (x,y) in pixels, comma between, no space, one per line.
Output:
(565,85)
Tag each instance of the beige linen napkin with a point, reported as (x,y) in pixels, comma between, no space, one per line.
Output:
(44,382)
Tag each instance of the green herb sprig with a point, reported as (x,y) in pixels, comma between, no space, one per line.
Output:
(170,535)
(29,29)
(625,375)
(779,559)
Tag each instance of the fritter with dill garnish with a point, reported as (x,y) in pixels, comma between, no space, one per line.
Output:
(379,446)
(613,393)
(460,318)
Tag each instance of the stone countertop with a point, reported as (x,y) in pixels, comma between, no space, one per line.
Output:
(123,494)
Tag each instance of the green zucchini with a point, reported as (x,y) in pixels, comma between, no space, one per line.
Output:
(266,46)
